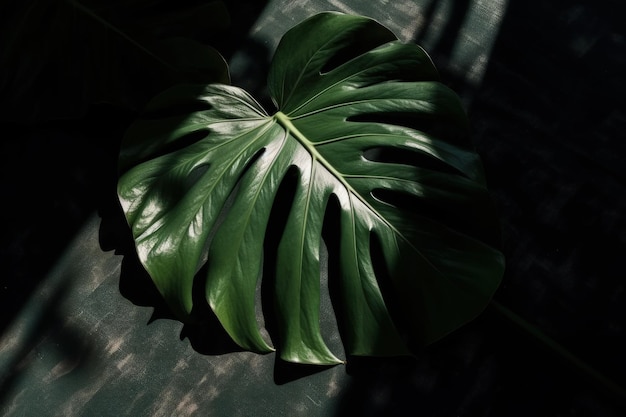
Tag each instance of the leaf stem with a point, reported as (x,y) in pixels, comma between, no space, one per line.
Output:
(614,389)
(285,121)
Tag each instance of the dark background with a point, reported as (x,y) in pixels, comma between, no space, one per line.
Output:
(547,117)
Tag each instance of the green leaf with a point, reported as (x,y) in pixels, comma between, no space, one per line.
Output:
(363,125)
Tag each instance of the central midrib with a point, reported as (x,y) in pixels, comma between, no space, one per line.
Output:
(286,123)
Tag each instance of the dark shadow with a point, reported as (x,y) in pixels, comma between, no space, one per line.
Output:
(331,233)
(249,70)
(441,50)
(204,331)
(68,165)
(276,223)
(137,286)
(548,121)
(450,30)
(550,152)
(557,182)
(50,326)
(206,334)
(284,371)
(431,383)
(58,171)
(248,58)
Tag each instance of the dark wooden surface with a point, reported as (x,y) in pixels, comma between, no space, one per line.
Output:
(83,333)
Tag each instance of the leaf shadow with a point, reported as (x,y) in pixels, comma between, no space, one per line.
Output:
(49,328)
(284,371)
(205,333)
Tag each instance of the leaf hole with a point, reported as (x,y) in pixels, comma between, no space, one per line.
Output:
(283,201)
(226,206)
(329,272)
(204,330)
(433,125)
(384,280)
(331,236)
(417,206)
(418,159)
(197,172)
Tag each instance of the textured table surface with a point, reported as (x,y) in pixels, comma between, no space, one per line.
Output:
(83,333)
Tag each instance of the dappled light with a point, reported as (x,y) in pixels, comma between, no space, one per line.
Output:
(85,330)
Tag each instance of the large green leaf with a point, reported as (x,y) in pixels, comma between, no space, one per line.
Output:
(362,127)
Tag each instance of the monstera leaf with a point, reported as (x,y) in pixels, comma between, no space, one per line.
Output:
(364,133)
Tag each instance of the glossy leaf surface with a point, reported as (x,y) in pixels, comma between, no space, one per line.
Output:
(365,136)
